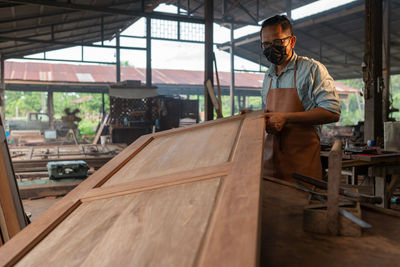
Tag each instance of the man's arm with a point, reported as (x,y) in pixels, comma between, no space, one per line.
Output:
(316,116)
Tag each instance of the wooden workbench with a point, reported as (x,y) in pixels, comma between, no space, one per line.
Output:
(378,167)
(35,158)
(284,243)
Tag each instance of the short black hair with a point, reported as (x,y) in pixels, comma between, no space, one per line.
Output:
(282,20)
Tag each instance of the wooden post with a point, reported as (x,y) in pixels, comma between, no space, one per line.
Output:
(12,215)
(102,105)
(2,90)
(386,60)
(372,71)
(50,108)
(232,85)
(334,175)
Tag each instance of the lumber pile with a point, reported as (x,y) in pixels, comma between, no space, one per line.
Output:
(12,215)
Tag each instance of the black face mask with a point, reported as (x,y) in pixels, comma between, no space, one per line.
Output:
(275,54)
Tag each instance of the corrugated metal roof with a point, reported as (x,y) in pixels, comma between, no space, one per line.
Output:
(31,71)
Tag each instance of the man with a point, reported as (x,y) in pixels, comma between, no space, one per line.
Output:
(299,95)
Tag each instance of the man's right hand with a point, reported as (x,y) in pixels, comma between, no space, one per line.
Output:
(275,121)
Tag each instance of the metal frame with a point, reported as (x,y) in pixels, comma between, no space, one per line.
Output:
(108,10)
(208,57)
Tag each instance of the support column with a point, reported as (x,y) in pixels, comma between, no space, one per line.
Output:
(258,10)
(223,8)
(103,112)
(372,71)
(50,108)
(2,90)
(208,57)
(148,52)
(386,60)
(232,86)
(289,8)
(102,30)
(118,55)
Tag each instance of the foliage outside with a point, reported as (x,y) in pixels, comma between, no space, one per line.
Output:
(18,104)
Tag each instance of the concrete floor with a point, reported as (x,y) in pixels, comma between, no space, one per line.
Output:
(38,206)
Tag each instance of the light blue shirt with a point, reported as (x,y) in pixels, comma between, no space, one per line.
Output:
(314,85)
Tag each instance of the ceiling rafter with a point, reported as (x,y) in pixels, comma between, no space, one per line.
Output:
(87,42)
(107,10)
(330,45)
(88,28)
(35,17)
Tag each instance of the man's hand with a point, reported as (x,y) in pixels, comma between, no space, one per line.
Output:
(316,116)
(275,121)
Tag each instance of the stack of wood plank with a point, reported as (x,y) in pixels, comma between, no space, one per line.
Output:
(12,215)
(27,158)
(184,197)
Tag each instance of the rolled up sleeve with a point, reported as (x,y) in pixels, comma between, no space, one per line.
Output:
(323,91)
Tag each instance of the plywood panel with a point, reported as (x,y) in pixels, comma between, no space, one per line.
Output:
(181,151)
(162,227)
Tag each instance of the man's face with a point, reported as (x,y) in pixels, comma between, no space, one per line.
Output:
(275,32)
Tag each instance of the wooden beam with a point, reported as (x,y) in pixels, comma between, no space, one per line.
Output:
(334,176)
(108,10)
(227,219)
(158,182)
(10,202)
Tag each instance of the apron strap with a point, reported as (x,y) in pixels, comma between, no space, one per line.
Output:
(294,79)
(270,84)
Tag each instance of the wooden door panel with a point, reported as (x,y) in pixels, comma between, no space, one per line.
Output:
(186,197)
(162,227)
(181,151)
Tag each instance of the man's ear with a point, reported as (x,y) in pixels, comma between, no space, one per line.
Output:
(293,41)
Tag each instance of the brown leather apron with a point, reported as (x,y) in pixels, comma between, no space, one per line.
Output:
(297,147)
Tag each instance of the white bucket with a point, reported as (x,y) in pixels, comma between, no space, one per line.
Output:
(392,136)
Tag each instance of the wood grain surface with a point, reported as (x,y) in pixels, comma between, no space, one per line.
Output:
(34,232)
(160,227)
(185,197)
(157,182)
(180,151)
(235,227)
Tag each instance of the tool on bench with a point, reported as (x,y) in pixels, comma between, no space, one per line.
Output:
(322,197)
(210,88)
(325,218)
(218,84)
(347,193)
(342,211)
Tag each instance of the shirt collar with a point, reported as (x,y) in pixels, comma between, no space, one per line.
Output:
(290,66)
